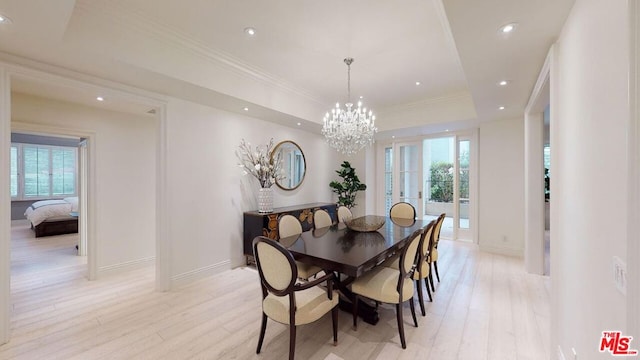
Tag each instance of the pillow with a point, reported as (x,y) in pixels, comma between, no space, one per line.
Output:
(73,201)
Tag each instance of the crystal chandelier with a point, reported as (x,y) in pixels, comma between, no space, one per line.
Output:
(349,130)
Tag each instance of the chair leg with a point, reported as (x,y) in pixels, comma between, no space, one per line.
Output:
(292,341)
(435,265)
(400,325)
(433,288)
(420,297)
(354,309)
(413,312)
(263,329)
(426,284)
(334,319)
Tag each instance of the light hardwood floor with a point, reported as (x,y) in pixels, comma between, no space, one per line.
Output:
(486,307)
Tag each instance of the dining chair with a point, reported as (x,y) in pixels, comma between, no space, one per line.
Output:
(289,225)
(344,213)
(288,302)
(402,210)
(422,265)
(392,286)
(433,253)
(321,218)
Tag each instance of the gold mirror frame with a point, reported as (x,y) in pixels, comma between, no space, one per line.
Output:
(287,167)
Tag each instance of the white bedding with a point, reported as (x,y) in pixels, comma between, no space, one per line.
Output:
(40,211)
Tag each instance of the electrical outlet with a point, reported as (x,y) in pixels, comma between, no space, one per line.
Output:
(620,274)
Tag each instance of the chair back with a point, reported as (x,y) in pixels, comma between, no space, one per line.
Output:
(426,240)
(402,210)
(289,225)
(436,231)
(277,269)
(425,248)
(408,255)
(344,213)
(321,218)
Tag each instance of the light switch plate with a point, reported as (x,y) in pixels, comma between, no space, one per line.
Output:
(620,274)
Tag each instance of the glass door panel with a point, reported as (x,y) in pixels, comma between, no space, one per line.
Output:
(463,183)
(388,179)
(439,172)
(409,177)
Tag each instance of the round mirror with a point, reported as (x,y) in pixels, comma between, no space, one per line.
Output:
(294,166)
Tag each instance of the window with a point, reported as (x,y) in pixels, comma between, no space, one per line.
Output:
(14,171)
(42,171)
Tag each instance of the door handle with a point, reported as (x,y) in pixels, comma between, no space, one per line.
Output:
(419,194)
(401,193)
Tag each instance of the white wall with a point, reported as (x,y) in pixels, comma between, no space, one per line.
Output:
(208,192)
(589,102)
(125,171)
(501,186)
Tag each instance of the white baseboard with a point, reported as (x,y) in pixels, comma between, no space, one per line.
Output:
(126,266)
(183,279)
(502,251)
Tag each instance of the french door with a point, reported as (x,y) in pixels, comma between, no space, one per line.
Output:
(435,175)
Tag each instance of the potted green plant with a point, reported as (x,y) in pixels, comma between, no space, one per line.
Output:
(348,187)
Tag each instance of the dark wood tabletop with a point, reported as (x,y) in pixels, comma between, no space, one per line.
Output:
(349,252)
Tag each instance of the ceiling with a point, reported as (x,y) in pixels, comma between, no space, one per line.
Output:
(291,71)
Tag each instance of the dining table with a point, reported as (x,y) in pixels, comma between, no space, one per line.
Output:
(350,254)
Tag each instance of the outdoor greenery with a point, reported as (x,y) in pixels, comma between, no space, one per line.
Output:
(442,181)
(348,187)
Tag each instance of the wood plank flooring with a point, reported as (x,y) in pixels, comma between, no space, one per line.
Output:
(486,307)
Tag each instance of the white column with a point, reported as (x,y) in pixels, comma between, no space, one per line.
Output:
(163,229)
(534,193)
(633,226)
(5,205)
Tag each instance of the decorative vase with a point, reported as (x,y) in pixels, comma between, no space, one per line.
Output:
(265,200)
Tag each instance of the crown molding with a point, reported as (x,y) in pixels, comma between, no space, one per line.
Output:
(135,20)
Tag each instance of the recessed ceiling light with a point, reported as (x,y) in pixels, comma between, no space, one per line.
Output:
(508,28)
(250,31)
(4,19)
(361,97)
(417,83)
(503,83)
(446,130)
(100,98)
(393,136)
(299,124)
(245,108)
(501,108)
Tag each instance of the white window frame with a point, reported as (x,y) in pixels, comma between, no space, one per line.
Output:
(21,196)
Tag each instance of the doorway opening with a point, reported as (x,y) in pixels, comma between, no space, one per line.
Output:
(436,175)
(46,198)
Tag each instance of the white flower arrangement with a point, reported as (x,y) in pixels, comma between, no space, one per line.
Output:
(261,163)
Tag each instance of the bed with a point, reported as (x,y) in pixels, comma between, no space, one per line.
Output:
(53,217)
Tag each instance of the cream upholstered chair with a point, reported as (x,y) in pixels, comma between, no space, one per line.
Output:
(422,266)
(321,218)
(402,210)
(288,225)
(344,213)
(388,285)
(285,301)
(433,253)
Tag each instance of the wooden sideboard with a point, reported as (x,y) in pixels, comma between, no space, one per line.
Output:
(266,224)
